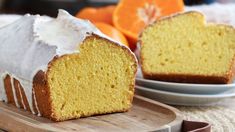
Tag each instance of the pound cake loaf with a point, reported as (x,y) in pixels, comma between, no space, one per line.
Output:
(184,48)
(64,68)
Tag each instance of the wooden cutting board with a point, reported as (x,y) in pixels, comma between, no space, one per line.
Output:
(145,115)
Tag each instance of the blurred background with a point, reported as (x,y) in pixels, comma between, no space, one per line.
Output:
(49,7)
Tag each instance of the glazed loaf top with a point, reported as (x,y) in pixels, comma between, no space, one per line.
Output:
(31,42)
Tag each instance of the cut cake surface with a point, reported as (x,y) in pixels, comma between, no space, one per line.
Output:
(184,48)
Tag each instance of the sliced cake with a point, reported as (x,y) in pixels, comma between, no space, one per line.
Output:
(184,48)
(64,68)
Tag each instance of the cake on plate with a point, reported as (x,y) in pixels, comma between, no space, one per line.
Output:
(64,68)
(184,48)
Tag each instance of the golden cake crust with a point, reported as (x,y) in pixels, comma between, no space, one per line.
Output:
(187,78)
(183,78)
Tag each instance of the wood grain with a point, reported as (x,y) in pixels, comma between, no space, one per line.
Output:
(145,115)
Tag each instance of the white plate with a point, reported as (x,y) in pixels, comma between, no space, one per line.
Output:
(183,87)
(183,99)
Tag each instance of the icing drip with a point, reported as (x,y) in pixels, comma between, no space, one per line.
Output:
(36,104)
(3,96)
(27,86)
(22,101)
(29,93)
(14,92)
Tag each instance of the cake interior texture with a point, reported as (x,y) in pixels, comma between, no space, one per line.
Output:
(98,80)
(186,45)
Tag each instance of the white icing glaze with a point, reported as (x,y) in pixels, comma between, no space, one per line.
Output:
(31,42)
(68,32)
(7,19)
(20,54)
(36,104)
(3,96)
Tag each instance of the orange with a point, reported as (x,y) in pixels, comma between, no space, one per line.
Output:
(100,14)
(112,32)
(130,16)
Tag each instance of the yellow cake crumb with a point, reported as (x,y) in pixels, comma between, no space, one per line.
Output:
(185,45)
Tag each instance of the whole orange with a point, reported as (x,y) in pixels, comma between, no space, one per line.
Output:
(112,32)
(97,14)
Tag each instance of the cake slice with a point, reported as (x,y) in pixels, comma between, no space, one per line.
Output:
(184,48)
(64,68)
